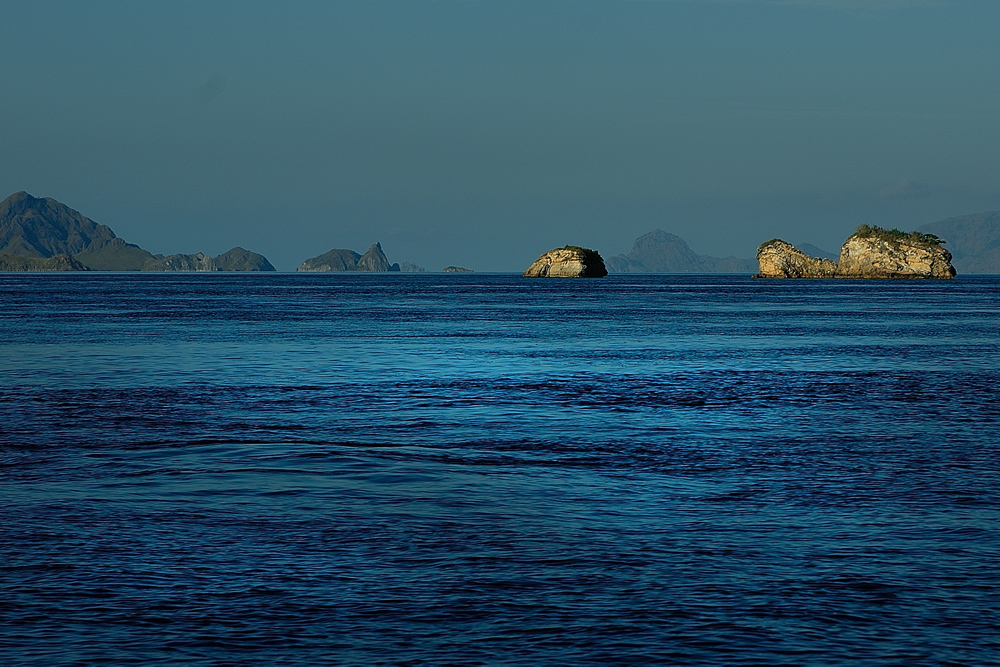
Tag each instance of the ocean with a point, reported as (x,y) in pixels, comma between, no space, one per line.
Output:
(469,469)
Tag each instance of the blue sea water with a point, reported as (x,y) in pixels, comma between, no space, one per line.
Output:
(487,469)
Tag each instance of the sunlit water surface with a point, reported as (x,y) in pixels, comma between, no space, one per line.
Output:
(484,469)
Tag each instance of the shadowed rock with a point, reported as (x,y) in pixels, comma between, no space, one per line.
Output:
(338,259)
(239,259)
(342,259)
(373,260)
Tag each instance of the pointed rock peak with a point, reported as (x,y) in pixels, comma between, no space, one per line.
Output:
(19,201)
(373,260)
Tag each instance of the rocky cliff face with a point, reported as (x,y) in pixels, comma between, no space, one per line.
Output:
(779,259)
(568,262)
(875,256)
(872,252)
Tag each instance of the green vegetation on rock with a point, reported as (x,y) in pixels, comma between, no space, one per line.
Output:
(768,244)
(895,235)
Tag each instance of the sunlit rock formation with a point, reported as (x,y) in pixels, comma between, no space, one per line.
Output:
(877,253)
(779,259)
(871,252)
(568,262)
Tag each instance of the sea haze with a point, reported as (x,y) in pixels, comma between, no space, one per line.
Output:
(490,469)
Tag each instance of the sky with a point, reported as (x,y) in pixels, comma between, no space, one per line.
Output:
(482,134)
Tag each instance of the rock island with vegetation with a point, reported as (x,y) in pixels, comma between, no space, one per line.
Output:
(871,252)
(568,262)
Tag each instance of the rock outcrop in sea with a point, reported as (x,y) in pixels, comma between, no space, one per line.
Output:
(342,259)
(871,252)
(35,228)
(568,262)
(779,259)
(456,269)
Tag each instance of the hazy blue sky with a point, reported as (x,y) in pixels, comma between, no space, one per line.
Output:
(484,133)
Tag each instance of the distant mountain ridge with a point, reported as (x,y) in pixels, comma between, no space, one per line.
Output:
(41,228)
(661,252)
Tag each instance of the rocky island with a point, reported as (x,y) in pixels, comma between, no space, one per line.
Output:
(342,259)
(871,252)
(568,262)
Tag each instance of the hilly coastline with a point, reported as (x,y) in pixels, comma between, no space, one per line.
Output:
(35,232)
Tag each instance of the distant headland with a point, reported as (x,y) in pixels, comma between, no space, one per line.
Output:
(44,235)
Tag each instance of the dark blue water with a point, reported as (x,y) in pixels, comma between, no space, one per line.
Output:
(398,469)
